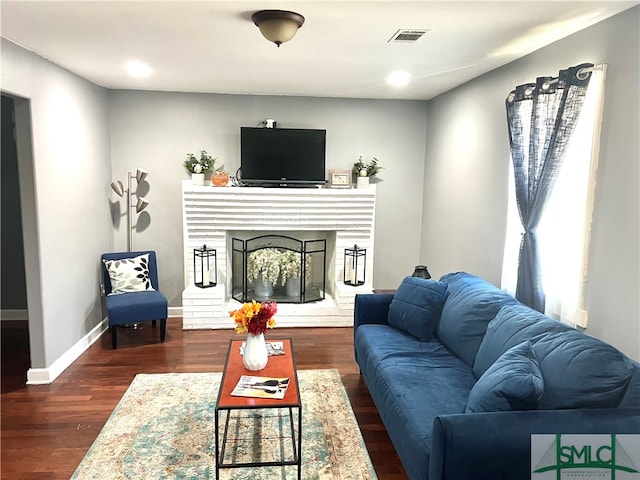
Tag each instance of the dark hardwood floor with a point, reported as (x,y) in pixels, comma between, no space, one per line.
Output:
(47,429)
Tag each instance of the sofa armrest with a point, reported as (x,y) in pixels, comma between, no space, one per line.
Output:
(497,445)
(371,308)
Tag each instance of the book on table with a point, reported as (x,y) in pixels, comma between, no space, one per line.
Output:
(261,387)
(273,348)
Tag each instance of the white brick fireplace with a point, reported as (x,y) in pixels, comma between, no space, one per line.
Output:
(211,215)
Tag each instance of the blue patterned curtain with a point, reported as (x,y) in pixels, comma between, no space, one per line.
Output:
(541,117)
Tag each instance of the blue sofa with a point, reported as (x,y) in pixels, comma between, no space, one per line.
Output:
(462,375)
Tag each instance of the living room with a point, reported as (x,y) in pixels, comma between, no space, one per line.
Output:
(440,156)
(95,143)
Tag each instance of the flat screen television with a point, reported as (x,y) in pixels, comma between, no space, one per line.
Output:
(286,157)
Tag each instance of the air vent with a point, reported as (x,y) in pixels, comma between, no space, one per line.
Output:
(407,35)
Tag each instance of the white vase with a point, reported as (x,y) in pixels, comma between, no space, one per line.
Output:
(362,182)
(197,179)
(263,289)
(255,354)
(292,287)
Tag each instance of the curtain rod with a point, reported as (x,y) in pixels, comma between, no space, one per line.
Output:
(548,83)
(600,66)
(584,70)
(579,73)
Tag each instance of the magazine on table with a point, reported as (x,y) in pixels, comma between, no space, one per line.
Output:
(273,348)
(261,387)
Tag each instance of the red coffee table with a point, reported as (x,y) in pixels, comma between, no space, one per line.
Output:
(233,408)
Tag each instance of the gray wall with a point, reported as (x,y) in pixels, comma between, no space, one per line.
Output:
(64,177)
(155,130)
(467,166)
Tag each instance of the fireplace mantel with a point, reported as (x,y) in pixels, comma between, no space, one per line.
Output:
(211,213)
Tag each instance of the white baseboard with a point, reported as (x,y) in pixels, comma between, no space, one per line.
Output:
(14,314)
(174,312)
(43,376)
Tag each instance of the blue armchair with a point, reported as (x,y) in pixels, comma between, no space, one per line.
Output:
(131,291)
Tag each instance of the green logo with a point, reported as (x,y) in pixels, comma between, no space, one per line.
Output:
(582,456)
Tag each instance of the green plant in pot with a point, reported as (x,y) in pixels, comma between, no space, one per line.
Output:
(366,169)
(198,167)
(363,170)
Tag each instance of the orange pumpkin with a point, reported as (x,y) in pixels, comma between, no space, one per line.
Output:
(220,178)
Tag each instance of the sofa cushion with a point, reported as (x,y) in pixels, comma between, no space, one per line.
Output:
(142,306)
(416,306)
(512,325)
(513,382)
(470,304)
(580,371)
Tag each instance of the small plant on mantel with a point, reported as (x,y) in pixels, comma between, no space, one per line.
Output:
(203,164)
(369,169)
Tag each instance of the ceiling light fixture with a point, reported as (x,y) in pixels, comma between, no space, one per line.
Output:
(399,79)
(138,69)
(278,26)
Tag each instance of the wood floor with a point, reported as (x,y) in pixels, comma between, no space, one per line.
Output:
(47,429)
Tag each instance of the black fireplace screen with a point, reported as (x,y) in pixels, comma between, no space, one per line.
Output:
(278,268)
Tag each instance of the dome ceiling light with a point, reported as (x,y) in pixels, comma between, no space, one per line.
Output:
(278,26)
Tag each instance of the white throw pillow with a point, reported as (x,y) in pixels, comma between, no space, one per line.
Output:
(129,274)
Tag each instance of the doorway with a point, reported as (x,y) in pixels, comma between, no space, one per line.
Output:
(13,295)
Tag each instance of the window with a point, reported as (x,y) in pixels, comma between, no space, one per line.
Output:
(565,227)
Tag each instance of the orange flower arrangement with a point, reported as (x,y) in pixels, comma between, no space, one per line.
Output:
(254,317)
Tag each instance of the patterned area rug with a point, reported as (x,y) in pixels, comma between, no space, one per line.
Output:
(163,428)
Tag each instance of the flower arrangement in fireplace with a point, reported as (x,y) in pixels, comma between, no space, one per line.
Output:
(290,266)
(254,317)
(264,263)
(276,266)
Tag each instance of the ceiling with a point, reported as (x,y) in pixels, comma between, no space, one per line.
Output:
(342,49)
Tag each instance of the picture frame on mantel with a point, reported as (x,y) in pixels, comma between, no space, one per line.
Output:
(340,178)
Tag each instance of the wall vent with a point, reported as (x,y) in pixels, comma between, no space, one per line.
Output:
(407,35)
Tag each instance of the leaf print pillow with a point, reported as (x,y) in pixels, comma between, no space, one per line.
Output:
(129,274)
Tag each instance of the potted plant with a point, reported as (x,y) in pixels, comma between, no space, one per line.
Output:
(198,167)
(290,271)
(263,268)
(363,171)
(255,318)
(267,267)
